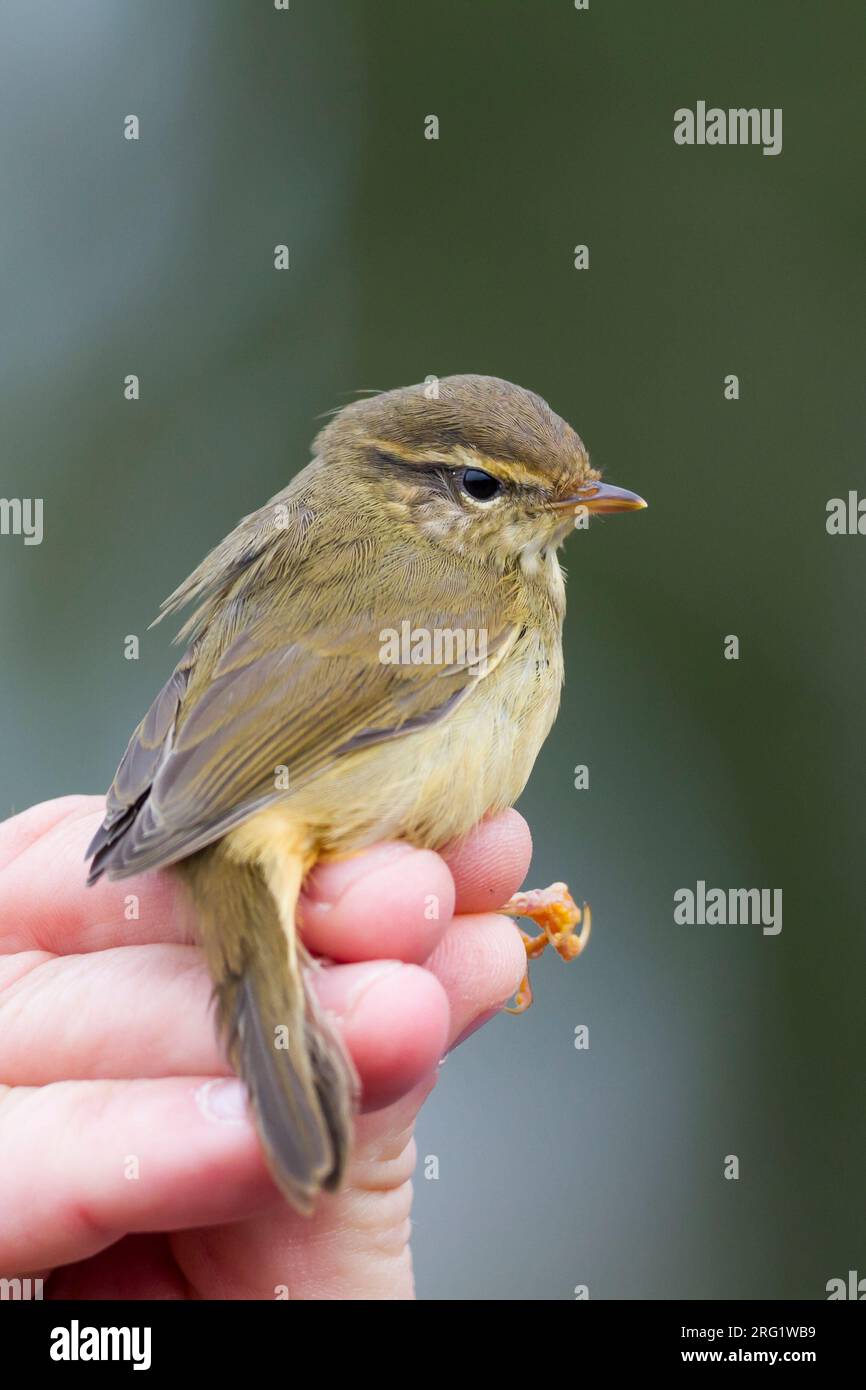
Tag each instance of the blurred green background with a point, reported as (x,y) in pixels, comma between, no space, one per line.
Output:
(557,1167)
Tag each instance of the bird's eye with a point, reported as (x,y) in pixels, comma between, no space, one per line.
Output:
(479,485)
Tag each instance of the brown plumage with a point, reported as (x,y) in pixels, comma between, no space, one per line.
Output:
(283,736)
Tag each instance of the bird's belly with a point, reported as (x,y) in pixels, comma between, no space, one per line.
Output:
(434,784)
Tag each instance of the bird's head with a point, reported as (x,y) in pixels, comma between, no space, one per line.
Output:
(475,463)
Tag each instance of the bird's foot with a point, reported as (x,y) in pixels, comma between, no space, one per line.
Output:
(555,911)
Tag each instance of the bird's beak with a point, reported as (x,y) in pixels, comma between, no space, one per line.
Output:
(601,498)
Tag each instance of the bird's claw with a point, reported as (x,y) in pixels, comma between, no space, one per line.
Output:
(555,911)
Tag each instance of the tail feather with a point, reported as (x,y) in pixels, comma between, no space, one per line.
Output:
(337,1088)
(291,1126)
(301,1083)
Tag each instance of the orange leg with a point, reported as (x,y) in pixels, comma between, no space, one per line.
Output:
(555,911)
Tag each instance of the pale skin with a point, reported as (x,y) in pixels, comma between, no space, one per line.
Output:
(109,1065)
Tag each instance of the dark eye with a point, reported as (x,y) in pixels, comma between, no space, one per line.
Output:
(480,485)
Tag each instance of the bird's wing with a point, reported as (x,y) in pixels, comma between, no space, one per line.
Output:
(281,694)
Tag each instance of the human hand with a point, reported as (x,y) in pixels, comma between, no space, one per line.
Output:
(130,1166)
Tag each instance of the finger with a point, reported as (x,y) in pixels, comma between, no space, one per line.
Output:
(133,1011)
(480,962)
(388,902)
(45,904)
(395,1019)
(308,1258)
(145,1011)
(490,863)
(391,902)
(19,832)
(276,1249)
(85,1162)
(66,1201)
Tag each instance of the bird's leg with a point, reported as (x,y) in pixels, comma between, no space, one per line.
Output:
(555,911)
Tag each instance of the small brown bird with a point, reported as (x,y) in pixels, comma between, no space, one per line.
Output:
(375,654)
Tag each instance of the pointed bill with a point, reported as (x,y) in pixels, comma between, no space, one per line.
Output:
(602,498)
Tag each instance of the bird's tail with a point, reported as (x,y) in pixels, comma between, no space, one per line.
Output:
(301,1083)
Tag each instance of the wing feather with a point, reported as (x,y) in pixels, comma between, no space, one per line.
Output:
(205,757)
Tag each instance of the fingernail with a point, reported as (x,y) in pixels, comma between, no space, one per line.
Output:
(225,1100)
(328,882)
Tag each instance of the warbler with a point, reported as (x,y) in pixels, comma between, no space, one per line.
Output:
(290,733)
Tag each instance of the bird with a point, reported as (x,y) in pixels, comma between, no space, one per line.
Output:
(374,654)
